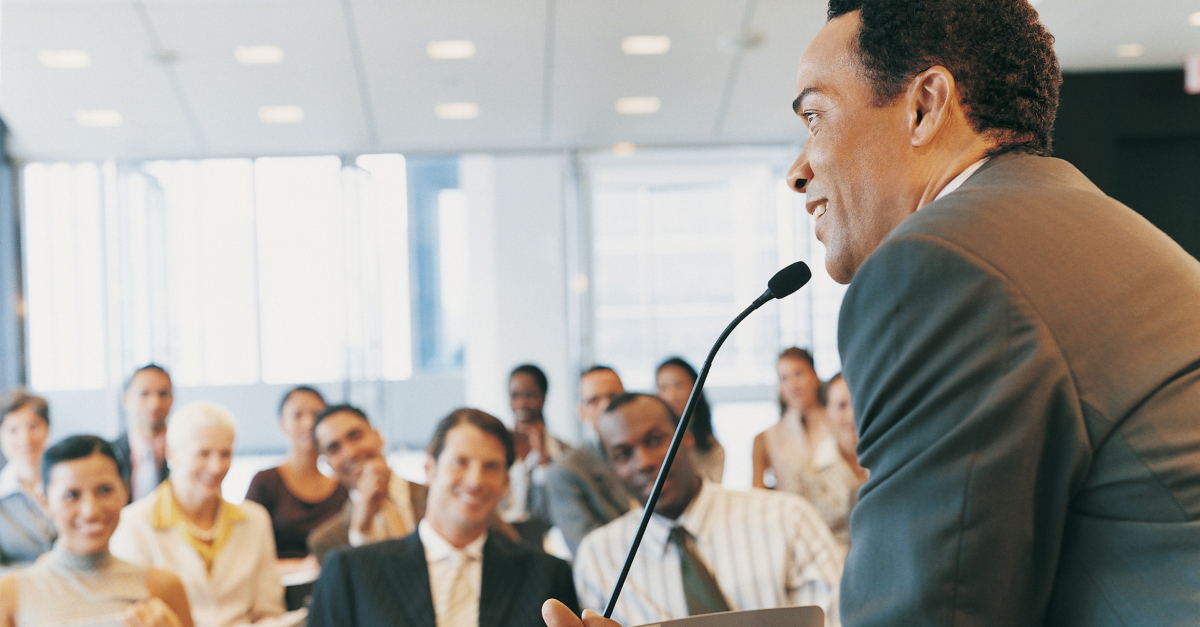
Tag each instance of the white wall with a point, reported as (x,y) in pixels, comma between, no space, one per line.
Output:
(518,282)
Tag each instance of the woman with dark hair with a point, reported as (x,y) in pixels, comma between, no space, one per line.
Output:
(25,530)
(296,494)
(79,582)
(788,447)
(675,379)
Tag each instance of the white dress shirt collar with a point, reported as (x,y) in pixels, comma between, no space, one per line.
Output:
(962,177)
(438,548)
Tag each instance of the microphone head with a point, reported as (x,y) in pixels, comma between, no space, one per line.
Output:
(789,279)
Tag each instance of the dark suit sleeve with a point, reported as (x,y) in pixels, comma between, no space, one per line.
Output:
(970,425)
(564,586)
(333,601)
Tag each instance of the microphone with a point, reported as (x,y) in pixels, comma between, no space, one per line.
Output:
(783,284)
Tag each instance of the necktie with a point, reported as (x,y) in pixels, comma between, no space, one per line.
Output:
(699,586)
(458,598)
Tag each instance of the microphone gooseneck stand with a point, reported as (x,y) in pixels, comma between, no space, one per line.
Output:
(783,284)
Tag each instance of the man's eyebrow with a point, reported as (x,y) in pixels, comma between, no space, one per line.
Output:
(806,92)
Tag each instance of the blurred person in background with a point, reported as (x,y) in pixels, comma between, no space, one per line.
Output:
(297,496)
(79,582)
(831,479)
(786,449)
(224,553)
(141,448)
(382,505)
(25,529)
(675,379)
(527,505)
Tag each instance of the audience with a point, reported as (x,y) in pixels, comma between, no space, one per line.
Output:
(675,379)
(787,448)
(452,571)
(297,496)
(224,553)
(141,448)
(79,582)
(381,505)
(25,530)
(832,478)
(528,501)
(584,494)
(706,549)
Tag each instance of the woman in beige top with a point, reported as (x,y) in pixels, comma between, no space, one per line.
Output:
(785,450)
(79,582)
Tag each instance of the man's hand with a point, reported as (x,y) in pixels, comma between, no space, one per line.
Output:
(372,485)
(558,615)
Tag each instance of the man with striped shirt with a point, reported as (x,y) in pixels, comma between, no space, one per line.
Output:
(706,548)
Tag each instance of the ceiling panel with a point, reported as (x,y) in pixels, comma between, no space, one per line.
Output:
(761,100)
(591,72)
(505,77)
(39,104)
(317,74)
(533,93)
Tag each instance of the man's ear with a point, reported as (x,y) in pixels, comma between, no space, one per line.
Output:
(932,99)
(430,464)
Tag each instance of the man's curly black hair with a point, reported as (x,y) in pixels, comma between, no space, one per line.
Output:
(999,53)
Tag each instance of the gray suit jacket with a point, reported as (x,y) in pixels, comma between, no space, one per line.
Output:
(387,583)
(584,493)
(1024,361)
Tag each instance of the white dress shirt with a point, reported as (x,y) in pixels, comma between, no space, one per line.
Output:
(961,178)
(443,560)
(766,549)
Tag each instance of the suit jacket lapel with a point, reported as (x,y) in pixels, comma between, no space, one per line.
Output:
(409,580)
(501,566)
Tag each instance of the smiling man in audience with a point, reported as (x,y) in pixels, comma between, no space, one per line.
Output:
(707,549)
(453,572)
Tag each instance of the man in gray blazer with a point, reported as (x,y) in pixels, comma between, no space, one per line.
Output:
(1023,352)
(584,492)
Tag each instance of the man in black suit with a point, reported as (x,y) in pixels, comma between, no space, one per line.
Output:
(141,449)
(452,572)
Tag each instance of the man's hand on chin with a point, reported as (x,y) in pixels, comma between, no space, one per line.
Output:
(558,615)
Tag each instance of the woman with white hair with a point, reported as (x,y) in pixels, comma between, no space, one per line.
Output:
(224,553)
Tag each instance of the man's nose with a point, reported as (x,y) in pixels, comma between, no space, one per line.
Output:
(800,174)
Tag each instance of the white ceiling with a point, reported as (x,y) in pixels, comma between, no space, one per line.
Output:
(546,73)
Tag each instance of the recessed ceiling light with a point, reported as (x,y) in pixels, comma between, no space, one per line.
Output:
(456,110)
(99,118)
(281,114)
(1129,51)
(65,59)
(258,55)
(638,105)
(1194,18)
(451,49)
(623,149)
(646,44)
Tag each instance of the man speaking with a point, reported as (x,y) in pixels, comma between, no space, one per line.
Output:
(1023,352)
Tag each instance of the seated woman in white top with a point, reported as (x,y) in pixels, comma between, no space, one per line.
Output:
(79,582)
(224,553)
